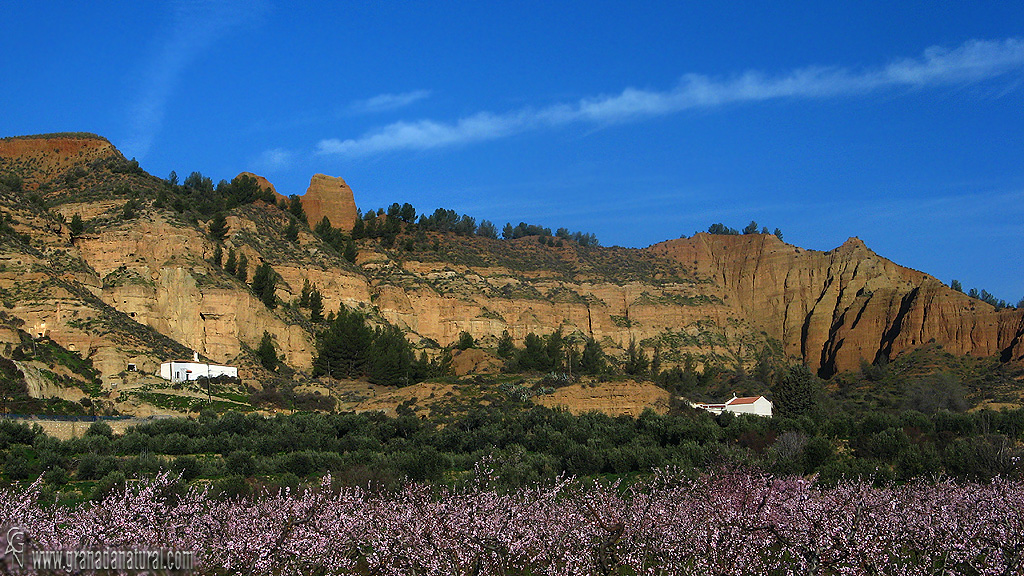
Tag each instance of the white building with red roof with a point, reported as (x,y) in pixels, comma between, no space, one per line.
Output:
(755,405)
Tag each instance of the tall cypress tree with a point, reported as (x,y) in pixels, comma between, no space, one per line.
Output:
(555,351)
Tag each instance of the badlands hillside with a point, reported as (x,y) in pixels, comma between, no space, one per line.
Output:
(136,285)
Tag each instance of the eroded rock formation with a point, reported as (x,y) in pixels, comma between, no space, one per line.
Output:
(835,308)
(143,289)
(326,196)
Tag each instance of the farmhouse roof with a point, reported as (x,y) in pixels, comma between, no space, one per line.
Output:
(744,400)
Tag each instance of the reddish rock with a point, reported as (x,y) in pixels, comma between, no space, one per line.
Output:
(331,197)
(327,196)
(41,158)
(263,183)
(835,308)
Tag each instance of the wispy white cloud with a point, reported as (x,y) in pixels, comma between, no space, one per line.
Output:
(386,102)
(195,26)
(275,160)
(973,61)
(425,134)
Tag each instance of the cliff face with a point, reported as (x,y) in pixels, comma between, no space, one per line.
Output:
(136,289)
(143,289)
(835,308)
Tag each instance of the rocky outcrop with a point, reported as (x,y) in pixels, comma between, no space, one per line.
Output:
(38,159)
(331,197)
(66,308)
(836,308)
(157,274)
(262,182)
(328,196)
(626,398)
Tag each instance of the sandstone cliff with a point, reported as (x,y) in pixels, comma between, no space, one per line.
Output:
(327,196)
(141,287)
(835,308)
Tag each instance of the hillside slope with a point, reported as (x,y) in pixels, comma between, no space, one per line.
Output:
(137,284)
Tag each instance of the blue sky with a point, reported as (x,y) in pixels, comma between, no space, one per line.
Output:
(898,122)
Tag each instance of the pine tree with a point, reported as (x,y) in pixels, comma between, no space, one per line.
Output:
(304,295)
(316,307)
(295,207)
(242,269)
(219,227)
(324,229)
(291,232)
(76,226)
(487,230)
(592,360)
(232,263)
(218,256)
(465,341)
(350,250)
(266,352)
(506,348)
(264,283)
(342,349)
(389,362)
(533,356)
(370,225)
(636,360)
(408,213)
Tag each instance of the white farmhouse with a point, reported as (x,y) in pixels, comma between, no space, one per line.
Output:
(756,405)
(185,370)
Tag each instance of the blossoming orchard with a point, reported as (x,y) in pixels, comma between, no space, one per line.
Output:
(726,522)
